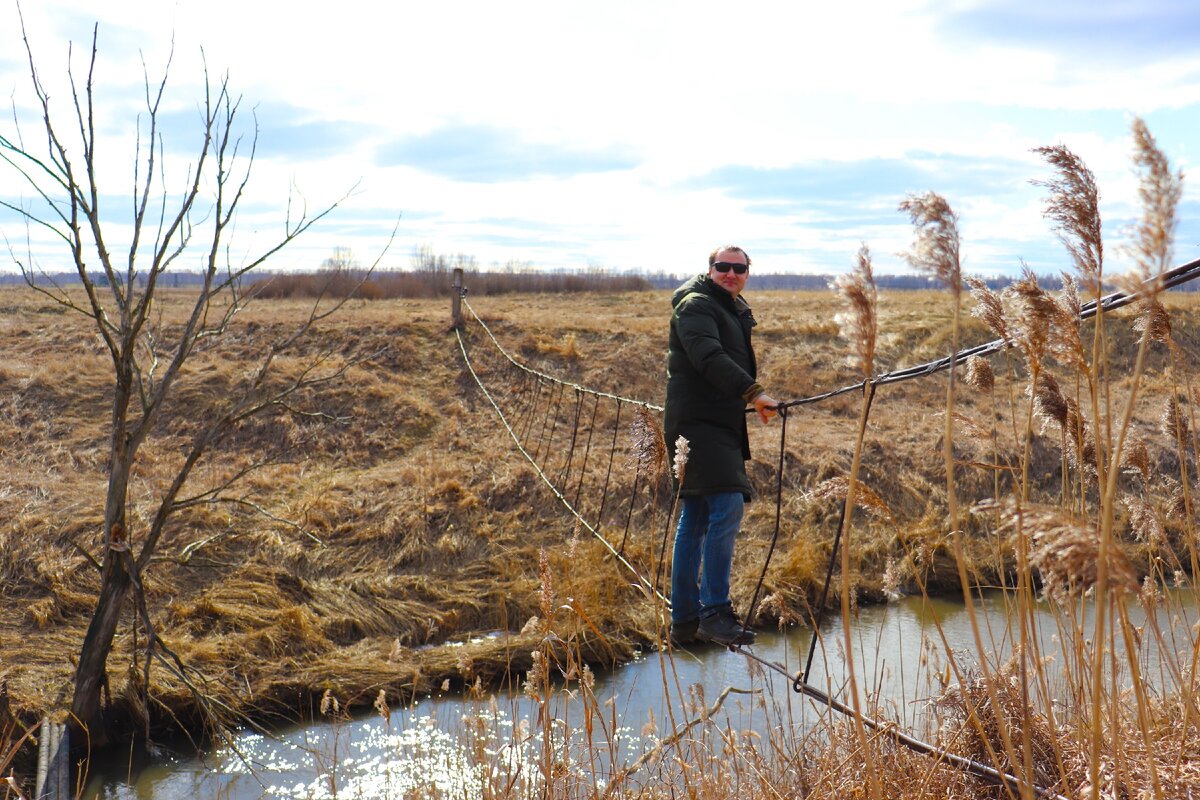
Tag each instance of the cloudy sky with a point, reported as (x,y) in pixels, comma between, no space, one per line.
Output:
(633,135)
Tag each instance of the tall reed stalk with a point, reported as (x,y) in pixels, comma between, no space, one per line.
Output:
(936,252)
(1073,205)
(858,324)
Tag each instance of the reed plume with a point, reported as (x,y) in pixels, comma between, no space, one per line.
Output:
(1066,342)
(935,251)
(1154,321)
(858,323)
(1031,326)
(1073,206)
(1159,190)
(649,450)
(546,593)
(836,489)
(1048,402)
(1070,298)
(1067,554)
(1051,407)
(989,307)
(1136,461)
(1174,420)
(1081,442)
(679,463)
(979,374)
(1176,506)
(1144,521)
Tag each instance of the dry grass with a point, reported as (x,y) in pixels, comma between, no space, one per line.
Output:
(413,523)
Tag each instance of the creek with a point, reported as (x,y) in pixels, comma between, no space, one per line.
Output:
(898,655)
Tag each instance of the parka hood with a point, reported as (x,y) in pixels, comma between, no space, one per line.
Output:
(702,284)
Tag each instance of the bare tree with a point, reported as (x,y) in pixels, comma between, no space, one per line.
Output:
(342,261)
(118,290)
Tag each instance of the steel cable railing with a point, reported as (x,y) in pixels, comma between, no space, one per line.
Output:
(1170,279)
(594,531)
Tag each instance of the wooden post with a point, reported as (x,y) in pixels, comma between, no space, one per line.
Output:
(54,762)
(456,299)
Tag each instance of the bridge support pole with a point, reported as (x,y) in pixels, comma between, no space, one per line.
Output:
(54,762)
(456,299)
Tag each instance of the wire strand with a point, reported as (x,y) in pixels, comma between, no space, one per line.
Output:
(546,479)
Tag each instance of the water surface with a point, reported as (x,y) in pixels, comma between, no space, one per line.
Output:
(899,655)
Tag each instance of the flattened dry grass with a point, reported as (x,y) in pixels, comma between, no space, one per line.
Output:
(405,522)
(409,522)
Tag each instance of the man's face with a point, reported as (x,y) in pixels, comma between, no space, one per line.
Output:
(730,281)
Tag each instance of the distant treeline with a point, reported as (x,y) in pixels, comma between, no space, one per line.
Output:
(436,282)
(380,285)
(785,282)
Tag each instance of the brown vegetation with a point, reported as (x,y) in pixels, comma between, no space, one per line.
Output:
(410,521)
(437,281)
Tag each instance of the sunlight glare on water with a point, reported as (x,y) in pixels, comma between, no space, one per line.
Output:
(360,758)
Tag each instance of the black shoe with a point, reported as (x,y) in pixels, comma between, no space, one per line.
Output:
(684,633)
(724,628)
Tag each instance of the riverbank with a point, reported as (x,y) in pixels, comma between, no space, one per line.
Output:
(376,545)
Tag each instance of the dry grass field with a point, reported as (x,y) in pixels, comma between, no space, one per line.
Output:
(362,542)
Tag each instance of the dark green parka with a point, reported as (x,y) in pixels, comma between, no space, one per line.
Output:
(710,371)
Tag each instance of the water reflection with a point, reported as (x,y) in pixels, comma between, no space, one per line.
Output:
(440,743)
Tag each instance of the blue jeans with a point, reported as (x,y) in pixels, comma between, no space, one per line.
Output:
(703,554)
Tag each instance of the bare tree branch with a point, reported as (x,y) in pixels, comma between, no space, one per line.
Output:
(148,359)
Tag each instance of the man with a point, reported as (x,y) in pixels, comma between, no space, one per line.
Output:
(711,378)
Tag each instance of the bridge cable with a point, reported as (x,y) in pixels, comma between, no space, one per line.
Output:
(647,585)
(800,682)
(1166,280)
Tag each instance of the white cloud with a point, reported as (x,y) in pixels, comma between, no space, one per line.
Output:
(679,89)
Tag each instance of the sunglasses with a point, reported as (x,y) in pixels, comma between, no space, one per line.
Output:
(725,266)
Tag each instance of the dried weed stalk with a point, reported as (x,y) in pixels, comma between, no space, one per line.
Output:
(988,705)
(858,324)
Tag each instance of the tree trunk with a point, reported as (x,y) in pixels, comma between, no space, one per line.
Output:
(91,675)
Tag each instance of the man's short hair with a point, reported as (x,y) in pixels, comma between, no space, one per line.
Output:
(712,257)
